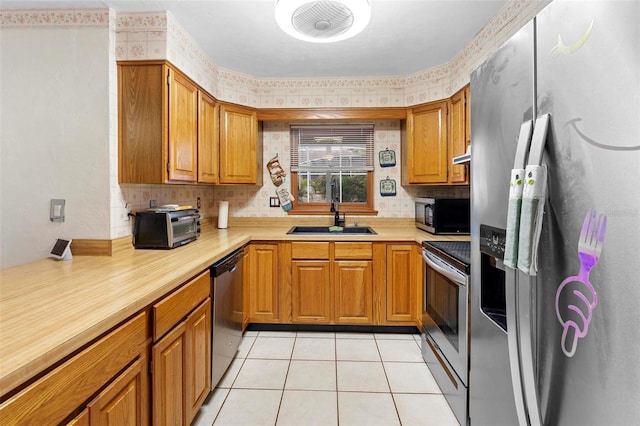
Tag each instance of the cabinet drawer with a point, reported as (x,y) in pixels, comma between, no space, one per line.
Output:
(310,250)
(353,251)
(173,308)
(53,397)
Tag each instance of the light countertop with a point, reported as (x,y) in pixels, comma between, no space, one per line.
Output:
(49,308)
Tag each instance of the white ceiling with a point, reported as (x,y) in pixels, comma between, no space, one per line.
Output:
(403,37)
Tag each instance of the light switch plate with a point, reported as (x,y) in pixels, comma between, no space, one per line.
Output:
(56,212)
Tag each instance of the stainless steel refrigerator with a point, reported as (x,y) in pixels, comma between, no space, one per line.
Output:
(557,341)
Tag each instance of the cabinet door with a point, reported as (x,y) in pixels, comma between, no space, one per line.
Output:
(238,145)
(81,419)
(124,401)
(183,128)
(198,357)
(208,138)
(263,283)
(54,396)
(142,123)
(457,136)
(169,377)
(353,289)
(245,288)
(401,284)
(426,154)
(311,291)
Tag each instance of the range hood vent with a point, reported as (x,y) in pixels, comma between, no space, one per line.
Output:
(464,158)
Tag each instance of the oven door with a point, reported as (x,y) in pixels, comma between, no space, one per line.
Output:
(446,310)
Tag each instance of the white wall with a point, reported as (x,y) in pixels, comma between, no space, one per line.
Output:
(54,128)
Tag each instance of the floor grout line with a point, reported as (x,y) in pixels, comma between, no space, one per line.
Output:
(335,362)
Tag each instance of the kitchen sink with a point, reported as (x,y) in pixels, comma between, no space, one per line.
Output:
(328,230)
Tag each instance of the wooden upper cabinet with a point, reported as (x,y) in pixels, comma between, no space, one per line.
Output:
(143,117)
(425,145)
(158,125)
(183,128)
(208,138)
(240,150)
(172,131)
(457,136)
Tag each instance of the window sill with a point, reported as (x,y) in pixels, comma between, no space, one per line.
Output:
(324,211)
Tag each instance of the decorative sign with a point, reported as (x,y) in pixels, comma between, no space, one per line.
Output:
(576,298)
(388,187)
(387,158)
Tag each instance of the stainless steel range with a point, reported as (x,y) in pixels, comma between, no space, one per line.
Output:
(445,319)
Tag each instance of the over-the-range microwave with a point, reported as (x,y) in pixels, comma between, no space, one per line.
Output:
(443,215)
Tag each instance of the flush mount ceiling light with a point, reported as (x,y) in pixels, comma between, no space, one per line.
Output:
(322,21)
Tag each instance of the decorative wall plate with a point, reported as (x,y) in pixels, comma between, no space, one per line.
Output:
(387,158)
(388,187)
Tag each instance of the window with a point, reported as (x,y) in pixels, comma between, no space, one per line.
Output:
(332,163)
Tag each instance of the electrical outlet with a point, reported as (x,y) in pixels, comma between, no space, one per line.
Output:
(198,203)
(153,203)
(274,202)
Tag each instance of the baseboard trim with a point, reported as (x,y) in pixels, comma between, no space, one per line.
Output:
(83,247)
(397,329)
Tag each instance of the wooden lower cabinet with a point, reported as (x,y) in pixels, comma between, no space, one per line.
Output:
(353,292)
(322,282)
(244,298)
(96,370)
(81,419)
(311,291)
(263,283)
(198,368)
(182,368)
(402,284)
(332,283)
(124,401)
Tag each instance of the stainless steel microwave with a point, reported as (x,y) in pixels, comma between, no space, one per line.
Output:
(443,215)
(166,229)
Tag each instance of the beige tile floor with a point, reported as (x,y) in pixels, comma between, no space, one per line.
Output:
(309,378)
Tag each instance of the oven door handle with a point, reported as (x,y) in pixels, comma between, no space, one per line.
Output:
(434,262)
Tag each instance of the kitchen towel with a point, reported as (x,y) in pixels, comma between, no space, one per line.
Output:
(223,214)
(533,197)
(513,218)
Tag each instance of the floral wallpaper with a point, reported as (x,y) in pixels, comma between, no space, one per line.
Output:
(140,34)
(157,35)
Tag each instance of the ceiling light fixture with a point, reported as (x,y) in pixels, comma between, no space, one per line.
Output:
(322,21)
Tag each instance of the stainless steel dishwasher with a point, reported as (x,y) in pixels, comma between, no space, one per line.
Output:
(226,281)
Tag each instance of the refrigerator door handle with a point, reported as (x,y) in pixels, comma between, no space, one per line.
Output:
(513,339)
(526,320)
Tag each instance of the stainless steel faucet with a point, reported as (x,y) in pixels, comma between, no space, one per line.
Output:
(337,220)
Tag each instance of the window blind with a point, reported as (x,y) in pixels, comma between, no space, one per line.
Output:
(336,147)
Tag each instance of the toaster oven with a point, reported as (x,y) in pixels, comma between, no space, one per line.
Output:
(165,229)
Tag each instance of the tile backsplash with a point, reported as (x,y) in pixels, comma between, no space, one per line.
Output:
(135,197)
(253,201)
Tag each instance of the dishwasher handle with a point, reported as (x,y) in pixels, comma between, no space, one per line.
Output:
(226,264)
